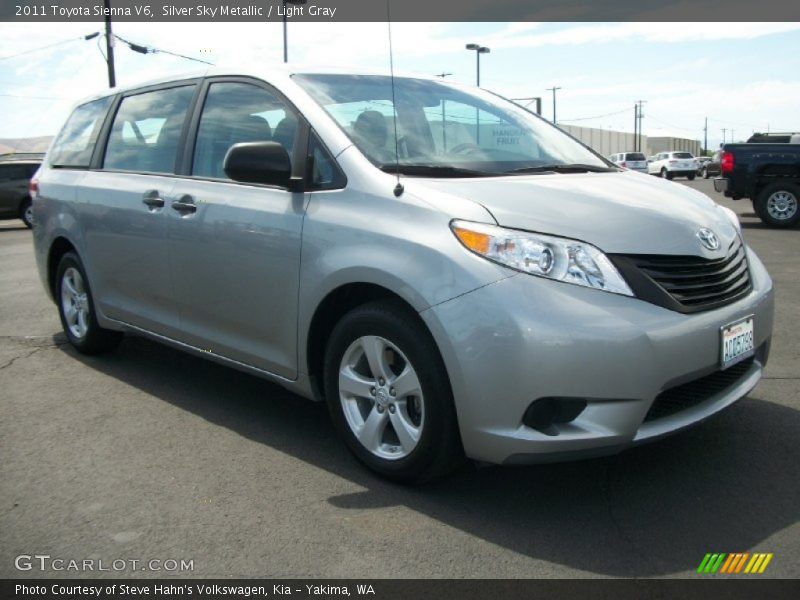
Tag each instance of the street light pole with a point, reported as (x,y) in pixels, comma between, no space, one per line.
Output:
(478,51)
(285,38)
(554,89)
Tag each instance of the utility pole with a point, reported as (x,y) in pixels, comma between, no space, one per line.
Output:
(705,137)
(554,89)
(636,126)
(112,77)
(733,140)
(640,115)
(724,130)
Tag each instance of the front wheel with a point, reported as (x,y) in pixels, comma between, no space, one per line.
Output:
(26,213)
(389,396)
(690,177)
(777,204)
(666,174)
(76,309)
(705,173)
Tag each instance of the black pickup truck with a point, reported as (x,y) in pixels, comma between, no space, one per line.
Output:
(768,174)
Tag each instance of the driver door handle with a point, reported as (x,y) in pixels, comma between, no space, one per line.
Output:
(184,205)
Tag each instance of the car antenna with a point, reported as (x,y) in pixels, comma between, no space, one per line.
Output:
(398,189)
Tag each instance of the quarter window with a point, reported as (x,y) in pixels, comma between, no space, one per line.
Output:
(147,130)
(234,113)
(74,145)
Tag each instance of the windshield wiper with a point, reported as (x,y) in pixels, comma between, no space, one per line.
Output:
(564,168)
(434,170)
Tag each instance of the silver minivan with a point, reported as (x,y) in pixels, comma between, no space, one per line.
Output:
(454,276)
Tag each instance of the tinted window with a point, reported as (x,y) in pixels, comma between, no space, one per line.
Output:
(235,113)
(147,131)
(325,173)
(634,156)
(682,155)
(74,145)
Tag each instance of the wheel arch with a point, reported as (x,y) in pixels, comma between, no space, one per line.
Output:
(337,303)
(60,246)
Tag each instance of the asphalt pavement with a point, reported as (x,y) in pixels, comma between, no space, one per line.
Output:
(150,454)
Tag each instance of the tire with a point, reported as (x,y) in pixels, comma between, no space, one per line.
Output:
(26,213)
(778,204)
(705,173)
(666,174)
(389,338)
(690,177)
(76,309)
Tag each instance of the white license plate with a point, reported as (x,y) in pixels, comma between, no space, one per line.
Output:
(737,342)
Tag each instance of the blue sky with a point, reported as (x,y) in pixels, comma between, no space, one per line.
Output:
(742,76)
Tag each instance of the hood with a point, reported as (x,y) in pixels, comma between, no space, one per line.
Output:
(620,213)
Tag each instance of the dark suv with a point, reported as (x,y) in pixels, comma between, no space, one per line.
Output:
(16,171)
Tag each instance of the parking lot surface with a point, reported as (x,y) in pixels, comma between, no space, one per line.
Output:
(151,454)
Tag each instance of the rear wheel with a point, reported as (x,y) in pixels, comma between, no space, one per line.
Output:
(26,213)
(389,395)
(777,204)
(76,309)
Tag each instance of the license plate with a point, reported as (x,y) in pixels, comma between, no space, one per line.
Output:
(737,342)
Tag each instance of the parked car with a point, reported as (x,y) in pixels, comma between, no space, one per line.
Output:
(16,171)
(634,161)
(710,166)
(768,174)
(673,164)
(445,293)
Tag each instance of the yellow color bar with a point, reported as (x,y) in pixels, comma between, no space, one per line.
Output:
(753,564)
(764,564)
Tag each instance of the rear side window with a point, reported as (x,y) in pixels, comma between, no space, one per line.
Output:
(634,156)
(74,145)
(147,131)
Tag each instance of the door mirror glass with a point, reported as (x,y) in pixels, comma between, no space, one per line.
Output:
(258,162)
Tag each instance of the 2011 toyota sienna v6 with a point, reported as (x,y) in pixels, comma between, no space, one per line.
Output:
(453,275)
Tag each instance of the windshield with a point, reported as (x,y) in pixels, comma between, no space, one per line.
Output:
(444,129)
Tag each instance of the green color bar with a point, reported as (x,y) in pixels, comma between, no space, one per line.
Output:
(718,564)
(703,564)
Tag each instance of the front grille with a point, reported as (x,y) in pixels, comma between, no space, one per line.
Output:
(691,394)
(687,283)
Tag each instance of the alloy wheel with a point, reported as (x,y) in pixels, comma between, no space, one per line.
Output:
(381,397)
(75,302)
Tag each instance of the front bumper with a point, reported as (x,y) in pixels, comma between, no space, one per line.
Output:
(524,338)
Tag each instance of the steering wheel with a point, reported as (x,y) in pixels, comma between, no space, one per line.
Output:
(465,148)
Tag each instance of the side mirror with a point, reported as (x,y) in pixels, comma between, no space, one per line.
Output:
(259,162)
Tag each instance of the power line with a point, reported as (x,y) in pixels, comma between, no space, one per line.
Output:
(152,50)
(61,43)
(32,97)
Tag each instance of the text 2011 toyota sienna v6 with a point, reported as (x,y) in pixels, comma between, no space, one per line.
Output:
(453,275)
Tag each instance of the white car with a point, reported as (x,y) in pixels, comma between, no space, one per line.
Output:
(673,164)
(633,161)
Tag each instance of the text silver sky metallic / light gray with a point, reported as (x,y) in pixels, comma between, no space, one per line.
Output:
(516,299)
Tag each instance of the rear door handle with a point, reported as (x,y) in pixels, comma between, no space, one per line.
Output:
(152,200)
(185,204)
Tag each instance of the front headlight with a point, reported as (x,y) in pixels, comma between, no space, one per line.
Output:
(547,256)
